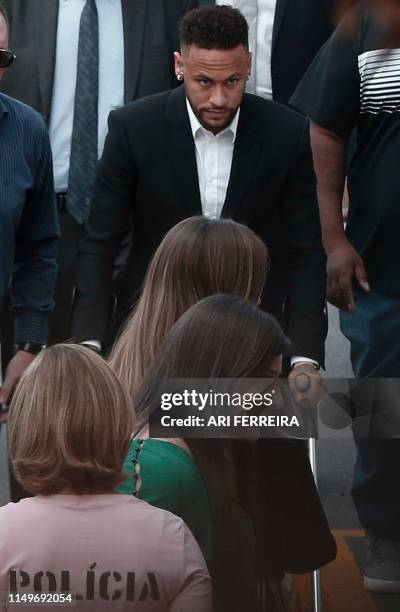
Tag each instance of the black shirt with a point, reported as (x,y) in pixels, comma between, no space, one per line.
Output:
(354,82)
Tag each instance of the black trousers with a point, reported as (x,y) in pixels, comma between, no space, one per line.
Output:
(60,320)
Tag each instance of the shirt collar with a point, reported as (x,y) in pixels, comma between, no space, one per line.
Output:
(197,127)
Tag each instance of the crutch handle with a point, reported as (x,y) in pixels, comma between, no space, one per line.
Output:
(302,382)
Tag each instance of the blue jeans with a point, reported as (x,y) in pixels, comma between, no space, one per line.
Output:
(374,334)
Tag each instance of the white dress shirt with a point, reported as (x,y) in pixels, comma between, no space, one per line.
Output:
(111,77)
(214,155)
(260,15)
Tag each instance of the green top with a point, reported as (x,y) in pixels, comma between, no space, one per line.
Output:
(170,480)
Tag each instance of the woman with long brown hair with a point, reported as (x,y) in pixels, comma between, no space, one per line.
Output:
(220,337)
(198,257)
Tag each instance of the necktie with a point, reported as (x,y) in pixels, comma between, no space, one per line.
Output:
(83,161)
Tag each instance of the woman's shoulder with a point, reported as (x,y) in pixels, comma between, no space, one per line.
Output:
(175,447)
(14,517)
(165,475)
(23,507)
(45,513)
(157,468)
(167,461)
(160,453)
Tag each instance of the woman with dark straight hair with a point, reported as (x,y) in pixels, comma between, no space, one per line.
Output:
(222,336)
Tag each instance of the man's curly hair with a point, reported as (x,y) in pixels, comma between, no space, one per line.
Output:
(214,27)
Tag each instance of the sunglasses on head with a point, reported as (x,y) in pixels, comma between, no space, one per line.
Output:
(6,58)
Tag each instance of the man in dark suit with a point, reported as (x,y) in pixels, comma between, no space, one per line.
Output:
(209,148)
(284,37)
(155,171)
(76,62)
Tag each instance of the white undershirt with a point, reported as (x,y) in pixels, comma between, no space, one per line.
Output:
(111,77)
(214,155)
(260,15)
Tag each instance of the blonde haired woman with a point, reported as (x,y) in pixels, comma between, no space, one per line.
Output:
(69,431)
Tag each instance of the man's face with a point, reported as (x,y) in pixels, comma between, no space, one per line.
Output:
(3,38)
(215,80)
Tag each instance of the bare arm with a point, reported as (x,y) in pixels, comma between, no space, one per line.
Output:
(329,154)
(329,151)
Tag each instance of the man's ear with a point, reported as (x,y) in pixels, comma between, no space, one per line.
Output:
(178,62)
(250,63)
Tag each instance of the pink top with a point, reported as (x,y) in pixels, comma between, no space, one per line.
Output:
(113,552)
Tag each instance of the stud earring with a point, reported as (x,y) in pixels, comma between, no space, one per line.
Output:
(179,76)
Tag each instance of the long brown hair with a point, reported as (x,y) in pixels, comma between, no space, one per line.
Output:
(222,336)
(198,257)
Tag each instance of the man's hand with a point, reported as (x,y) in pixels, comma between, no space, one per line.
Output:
(329,154)
(307,374)
(14,371)
(343,263)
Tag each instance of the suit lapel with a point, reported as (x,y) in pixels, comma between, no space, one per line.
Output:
(182,153)
(45,35)
(134,15)
(249,138)
(278,21)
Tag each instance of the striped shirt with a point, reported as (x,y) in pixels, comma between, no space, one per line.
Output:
(354,83)
(28,219)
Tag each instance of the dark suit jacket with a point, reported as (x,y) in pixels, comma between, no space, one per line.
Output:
(150,37)
(300,28)
(148,175)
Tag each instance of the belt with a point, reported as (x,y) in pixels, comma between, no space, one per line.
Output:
(61,199)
